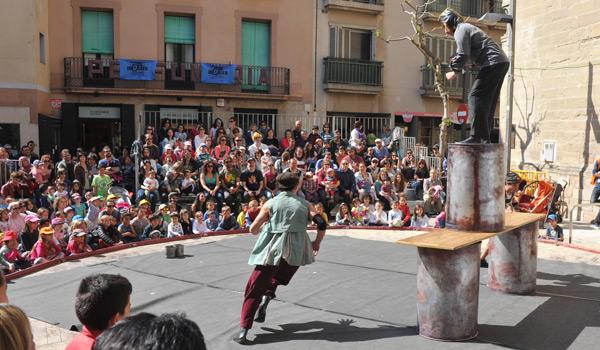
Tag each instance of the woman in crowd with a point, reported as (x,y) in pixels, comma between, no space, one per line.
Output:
(210,182)
(15,330)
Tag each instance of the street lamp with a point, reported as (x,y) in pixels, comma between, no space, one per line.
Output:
(491,18)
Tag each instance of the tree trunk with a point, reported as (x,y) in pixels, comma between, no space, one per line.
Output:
(441,88)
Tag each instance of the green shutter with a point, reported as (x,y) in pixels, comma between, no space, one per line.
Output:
(256,51)
(97,28)
(180,30)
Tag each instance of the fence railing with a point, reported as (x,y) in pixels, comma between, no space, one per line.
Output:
(455,87)
(349,71)
(470,8)
(345,123)
(79,72)
(7,166)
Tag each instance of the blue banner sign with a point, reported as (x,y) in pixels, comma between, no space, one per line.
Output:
(137,70)
(218,73)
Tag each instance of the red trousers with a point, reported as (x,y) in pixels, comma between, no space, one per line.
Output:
(263,281)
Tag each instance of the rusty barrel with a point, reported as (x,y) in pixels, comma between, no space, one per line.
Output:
(513,260)
(475,194)
(448,293)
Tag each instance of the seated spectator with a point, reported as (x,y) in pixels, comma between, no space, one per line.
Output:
(395,215)
(3,289)
(155,226)
(77,244)
(210,182)
(403,206)
(102,300)
(228,222)
(185,221)
(378,216)
(553,231)
(344,216)
(212,223)
(432,201)
(421,173)
(15,330)
(45,249)
(419,218)
(199,226)
(252,181)
(174,228)
(309,188)
(11,259)
(164,332)
(105,235)
(126,229)
(440,220)
(30,235)
(347,185)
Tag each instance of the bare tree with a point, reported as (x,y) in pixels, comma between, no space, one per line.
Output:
(528,125)
(418,13)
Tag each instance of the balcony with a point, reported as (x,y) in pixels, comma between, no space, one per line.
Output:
(455,87)
(365,6)
(467,8)
(352,76)
(102,76)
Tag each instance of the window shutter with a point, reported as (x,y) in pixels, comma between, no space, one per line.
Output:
(332,41)
(97,28)
(180,30)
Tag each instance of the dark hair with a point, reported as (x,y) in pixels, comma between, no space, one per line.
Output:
(99,298)
(147,331)
(154,217)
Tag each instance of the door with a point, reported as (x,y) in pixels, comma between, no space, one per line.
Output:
(49,131)
(98,133)
(256,55)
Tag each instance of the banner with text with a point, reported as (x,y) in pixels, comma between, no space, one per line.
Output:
(137,70)
(218,73)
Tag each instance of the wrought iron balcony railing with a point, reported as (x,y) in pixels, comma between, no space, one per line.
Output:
(349,71)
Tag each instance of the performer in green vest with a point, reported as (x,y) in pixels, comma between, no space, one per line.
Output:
(282,247)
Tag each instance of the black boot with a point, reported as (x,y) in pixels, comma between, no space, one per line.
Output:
(262,309)
(241,337)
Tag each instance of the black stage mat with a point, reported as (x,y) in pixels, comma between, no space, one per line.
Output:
(359,295)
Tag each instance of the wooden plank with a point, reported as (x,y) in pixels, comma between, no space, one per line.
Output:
(447,239)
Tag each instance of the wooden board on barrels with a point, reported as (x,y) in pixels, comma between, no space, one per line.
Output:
(446,239)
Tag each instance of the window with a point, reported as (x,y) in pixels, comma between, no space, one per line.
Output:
(351,43)
(256,55)
(10,134)
(549,151)
(442,47)
(97,32)
(42,48)
(180,39)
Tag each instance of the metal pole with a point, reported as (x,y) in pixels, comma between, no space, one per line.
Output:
(511,83)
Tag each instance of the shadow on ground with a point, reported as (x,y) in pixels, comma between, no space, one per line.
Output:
(572,305)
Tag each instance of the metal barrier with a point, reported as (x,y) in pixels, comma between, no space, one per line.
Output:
(580,205)
(421,152)
(407,143)
(433,162)
(7,166)
(345,123)
(471,8)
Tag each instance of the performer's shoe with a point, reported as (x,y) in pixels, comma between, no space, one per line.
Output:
(472,140)
(262,309)
(483,263)
(241,337)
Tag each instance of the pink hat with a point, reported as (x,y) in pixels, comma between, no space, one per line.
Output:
(32,218)
(57,221)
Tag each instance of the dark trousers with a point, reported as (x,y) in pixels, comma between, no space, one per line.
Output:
(263,281)
(484,97)
(594,199)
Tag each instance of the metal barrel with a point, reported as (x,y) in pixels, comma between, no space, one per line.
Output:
(448,293)
(513,260)
(475,193)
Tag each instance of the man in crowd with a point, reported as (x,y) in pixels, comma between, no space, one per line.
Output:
(252,181)
(66,164)
(347,183)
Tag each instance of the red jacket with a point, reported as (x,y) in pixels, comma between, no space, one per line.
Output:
(84,340)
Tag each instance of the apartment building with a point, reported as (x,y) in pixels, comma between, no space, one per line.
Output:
(387,83)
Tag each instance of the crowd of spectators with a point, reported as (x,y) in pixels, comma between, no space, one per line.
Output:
(192,181)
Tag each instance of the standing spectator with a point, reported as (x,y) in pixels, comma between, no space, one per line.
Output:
(357,137)
(297,130)
(113,166)
(101,182)
(102,300)
(153,149)
(66,164)
(200,138)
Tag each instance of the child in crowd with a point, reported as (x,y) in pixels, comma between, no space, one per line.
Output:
(419,218)
(440,220)
(188,184)
(211,207)
(45,249)
(387,191)
(174,229)
(309,187)
(403,206)
(185,221)
(330,183)
(126,230)
(252,212)
(79,207)
(344,216)
(553,231)
(212,223)
(60,238)
(11,259)
(227,222)
(359,213)
(395,215)
(155,228)
(77,243)
(4,226)
(241,217)
(379,216)
(321,211)
(199,226)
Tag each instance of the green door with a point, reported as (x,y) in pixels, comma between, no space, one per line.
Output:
(256,53)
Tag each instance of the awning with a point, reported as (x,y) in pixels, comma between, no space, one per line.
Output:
(418,114)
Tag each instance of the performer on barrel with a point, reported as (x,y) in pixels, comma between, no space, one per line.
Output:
(474,47)
(282,247)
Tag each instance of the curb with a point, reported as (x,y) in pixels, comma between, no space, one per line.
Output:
(569,245)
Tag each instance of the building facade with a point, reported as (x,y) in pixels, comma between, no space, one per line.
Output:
(556,93)
(318,61)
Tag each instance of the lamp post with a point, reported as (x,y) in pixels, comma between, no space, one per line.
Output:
(491,18)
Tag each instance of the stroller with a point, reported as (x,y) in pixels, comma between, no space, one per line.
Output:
(546,198)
